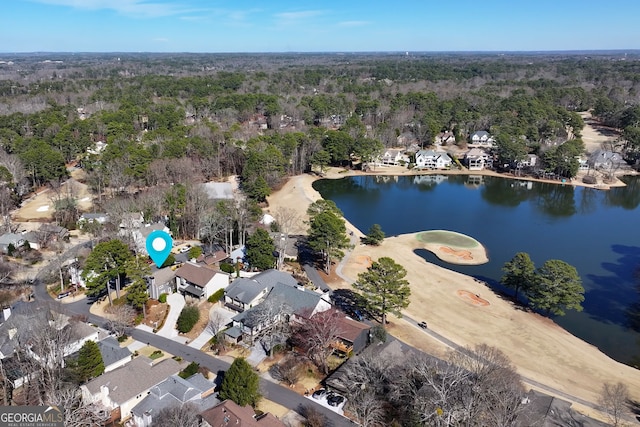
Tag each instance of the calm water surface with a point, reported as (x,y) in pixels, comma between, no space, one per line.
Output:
(596,231)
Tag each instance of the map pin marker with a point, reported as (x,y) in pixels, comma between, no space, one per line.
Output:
(159,244)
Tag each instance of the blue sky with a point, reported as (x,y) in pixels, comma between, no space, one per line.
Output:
(317,26)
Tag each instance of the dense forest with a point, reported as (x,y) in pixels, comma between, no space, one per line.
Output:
(156,124)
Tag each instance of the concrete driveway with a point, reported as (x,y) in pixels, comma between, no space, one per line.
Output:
(176,304)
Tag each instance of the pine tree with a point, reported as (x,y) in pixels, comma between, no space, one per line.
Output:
(384,288)
(519,273)
(90,363)
(240,384)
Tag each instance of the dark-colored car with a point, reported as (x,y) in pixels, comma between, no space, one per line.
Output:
(319,393)
(335,400)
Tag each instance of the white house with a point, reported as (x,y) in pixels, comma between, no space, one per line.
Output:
(393,157)
(199,281)
(429,159)
(481,138)
(606,159)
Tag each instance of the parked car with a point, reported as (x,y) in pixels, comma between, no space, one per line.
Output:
(63,294)
(318,394)
(335,399)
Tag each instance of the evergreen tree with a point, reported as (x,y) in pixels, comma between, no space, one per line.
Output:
(90,363)
(519,273)
(557,287)
(384,288)
(137,269)
(240,384)
(328,234)
(106,262)
(375,236)
(260,249)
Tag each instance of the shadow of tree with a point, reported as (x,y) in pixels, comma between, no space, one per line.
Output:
(608,300)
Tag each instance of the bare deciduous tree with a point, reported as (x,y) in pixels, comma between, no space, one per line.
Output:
(288,220)
(614,399)
(270,322)
(288,370)
(318,336)
(120,318)
(185,415)
(76,412)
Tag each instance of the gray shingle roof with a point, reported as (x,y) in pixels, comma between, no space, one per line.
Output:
(176,391)
(244,290)
(134,378)
(112,352)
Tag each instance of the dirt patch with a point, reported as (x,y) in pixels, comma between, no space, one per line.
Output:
(156,313)
(474,299)
(363,260)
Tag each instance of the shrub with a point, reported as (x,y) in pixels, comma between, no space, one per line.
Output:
(195,252)
(156,355)
(191,369)
(227,268)
(589,179)
(122,338)
(162,298)
(188,318)
(216,296)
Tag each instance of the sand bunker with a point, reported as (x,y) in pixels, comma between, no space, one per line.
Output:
(363,260)
(466,255)
(472,298)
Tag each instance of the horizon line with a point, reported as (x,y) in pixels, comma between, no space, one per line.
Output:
(403,52)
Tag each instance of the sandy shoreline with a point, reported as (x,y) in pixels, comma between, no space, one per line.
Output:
(541,350)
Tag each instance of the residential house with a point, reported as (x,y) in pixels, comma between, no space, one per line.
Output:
(293,302)
(606,159)
(113,355)
(481,138)
(353,336)
(162,281)
(229,414)
(33,238)
(89,218)
(140,235)
(238,255)
(55,232)
(10,239)
(394,353)
(478,159)
(244,293)
(429,159)
(198,281)
(445,138)
(219,190)
(123,388)
(394,157)
(530,161)
(212,259)
(539,409)
(21,321)
(196,391)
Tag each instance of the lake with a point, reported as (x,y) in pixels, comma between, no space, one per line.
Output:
(596,231)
